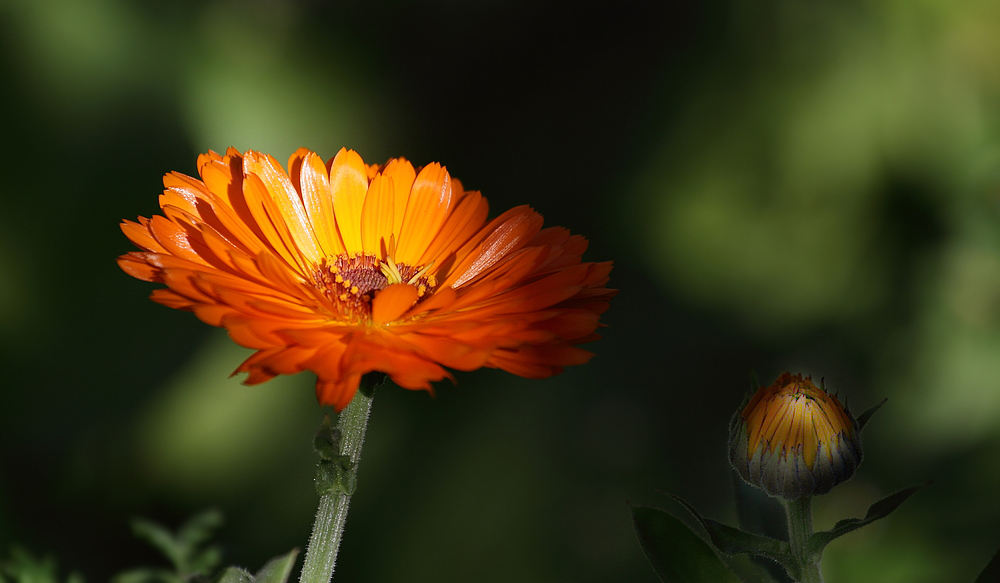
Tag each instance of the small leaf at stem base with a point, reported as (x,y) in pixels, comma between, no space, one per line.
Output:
(730,541)
(677,554)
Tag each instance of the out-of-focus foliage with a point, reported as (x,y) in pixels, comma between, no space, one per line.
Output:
(194,559)
(791,186)
(836,141)
(23,567)
(188,550)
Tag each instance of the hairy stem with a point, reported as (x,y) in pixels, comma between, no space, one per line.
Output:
(799,515)
(335,478)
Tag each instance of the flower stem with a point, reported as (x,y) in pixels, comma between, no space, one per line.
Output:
(799,515)
(336,476)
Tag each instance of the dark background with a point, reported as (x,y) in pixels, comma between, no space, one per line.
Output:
(806,186)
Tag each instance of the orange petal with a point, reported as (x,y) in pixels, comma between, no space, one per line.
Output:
(461,225)
(426,211)
(267,218)
(287,202)
(401,172)
(511,235)
(139,234)
(392,302)
(314,183)
(171,299)
(377,216)
(349,183)
(134,265)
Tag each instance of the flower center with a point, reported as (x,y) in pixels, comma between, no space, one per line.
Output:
(351,282)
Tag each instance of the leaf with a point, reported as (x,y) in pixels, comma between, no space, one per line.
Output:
(200,527)
(187,551)
(749,570)
(193,534)
(867,415)
(881,509)
(730,541)
(991,574)
(233,575)
(763,515)
(277,569)
(144,575)
(160,538)
(677,554)
(23,567)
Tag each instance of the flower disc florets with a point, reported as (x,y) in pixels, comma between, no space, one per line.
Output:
(793,439)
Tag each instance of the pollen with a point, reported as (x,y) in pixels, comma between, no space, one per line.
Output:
(350,283)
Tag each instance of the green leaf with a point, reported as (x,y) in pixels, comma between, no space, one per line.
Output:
(147,576)
(677,554)
(730,541)
(991,574)
(200,527)
(196,532)
(749,570)
(277,569)
(160,538)
(881,509)
(233,575)
(867,415)
(759,513)
(187,551)
(23,567)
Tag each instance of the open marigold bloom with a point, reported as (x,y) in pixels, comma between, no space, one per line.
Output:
(343,268)
(793,439)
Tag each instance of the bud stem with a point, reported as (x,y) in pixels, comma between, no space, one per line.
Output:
(328,528)
(799,515)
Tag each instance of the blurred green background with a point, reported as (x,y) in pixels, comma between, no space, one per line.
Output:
(811,186)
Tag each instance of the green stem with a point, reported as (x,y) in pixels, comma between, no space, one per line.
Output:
(336,478)
(799,515)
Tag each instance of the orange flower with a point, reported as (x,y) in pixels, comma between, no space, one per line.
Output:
(343,268)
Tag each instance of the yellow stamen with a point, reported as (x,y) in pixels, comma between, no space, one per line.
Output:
(420,273)
(391,271)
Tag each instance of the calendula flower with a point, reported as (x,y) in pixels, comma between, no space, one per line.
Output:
(794,439)
(343,268)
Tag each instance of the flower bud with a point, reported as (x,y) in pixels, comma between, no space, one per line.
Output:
(793,439)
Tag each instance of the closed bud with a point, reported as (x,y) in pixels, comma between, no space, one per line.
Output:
(793,439)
